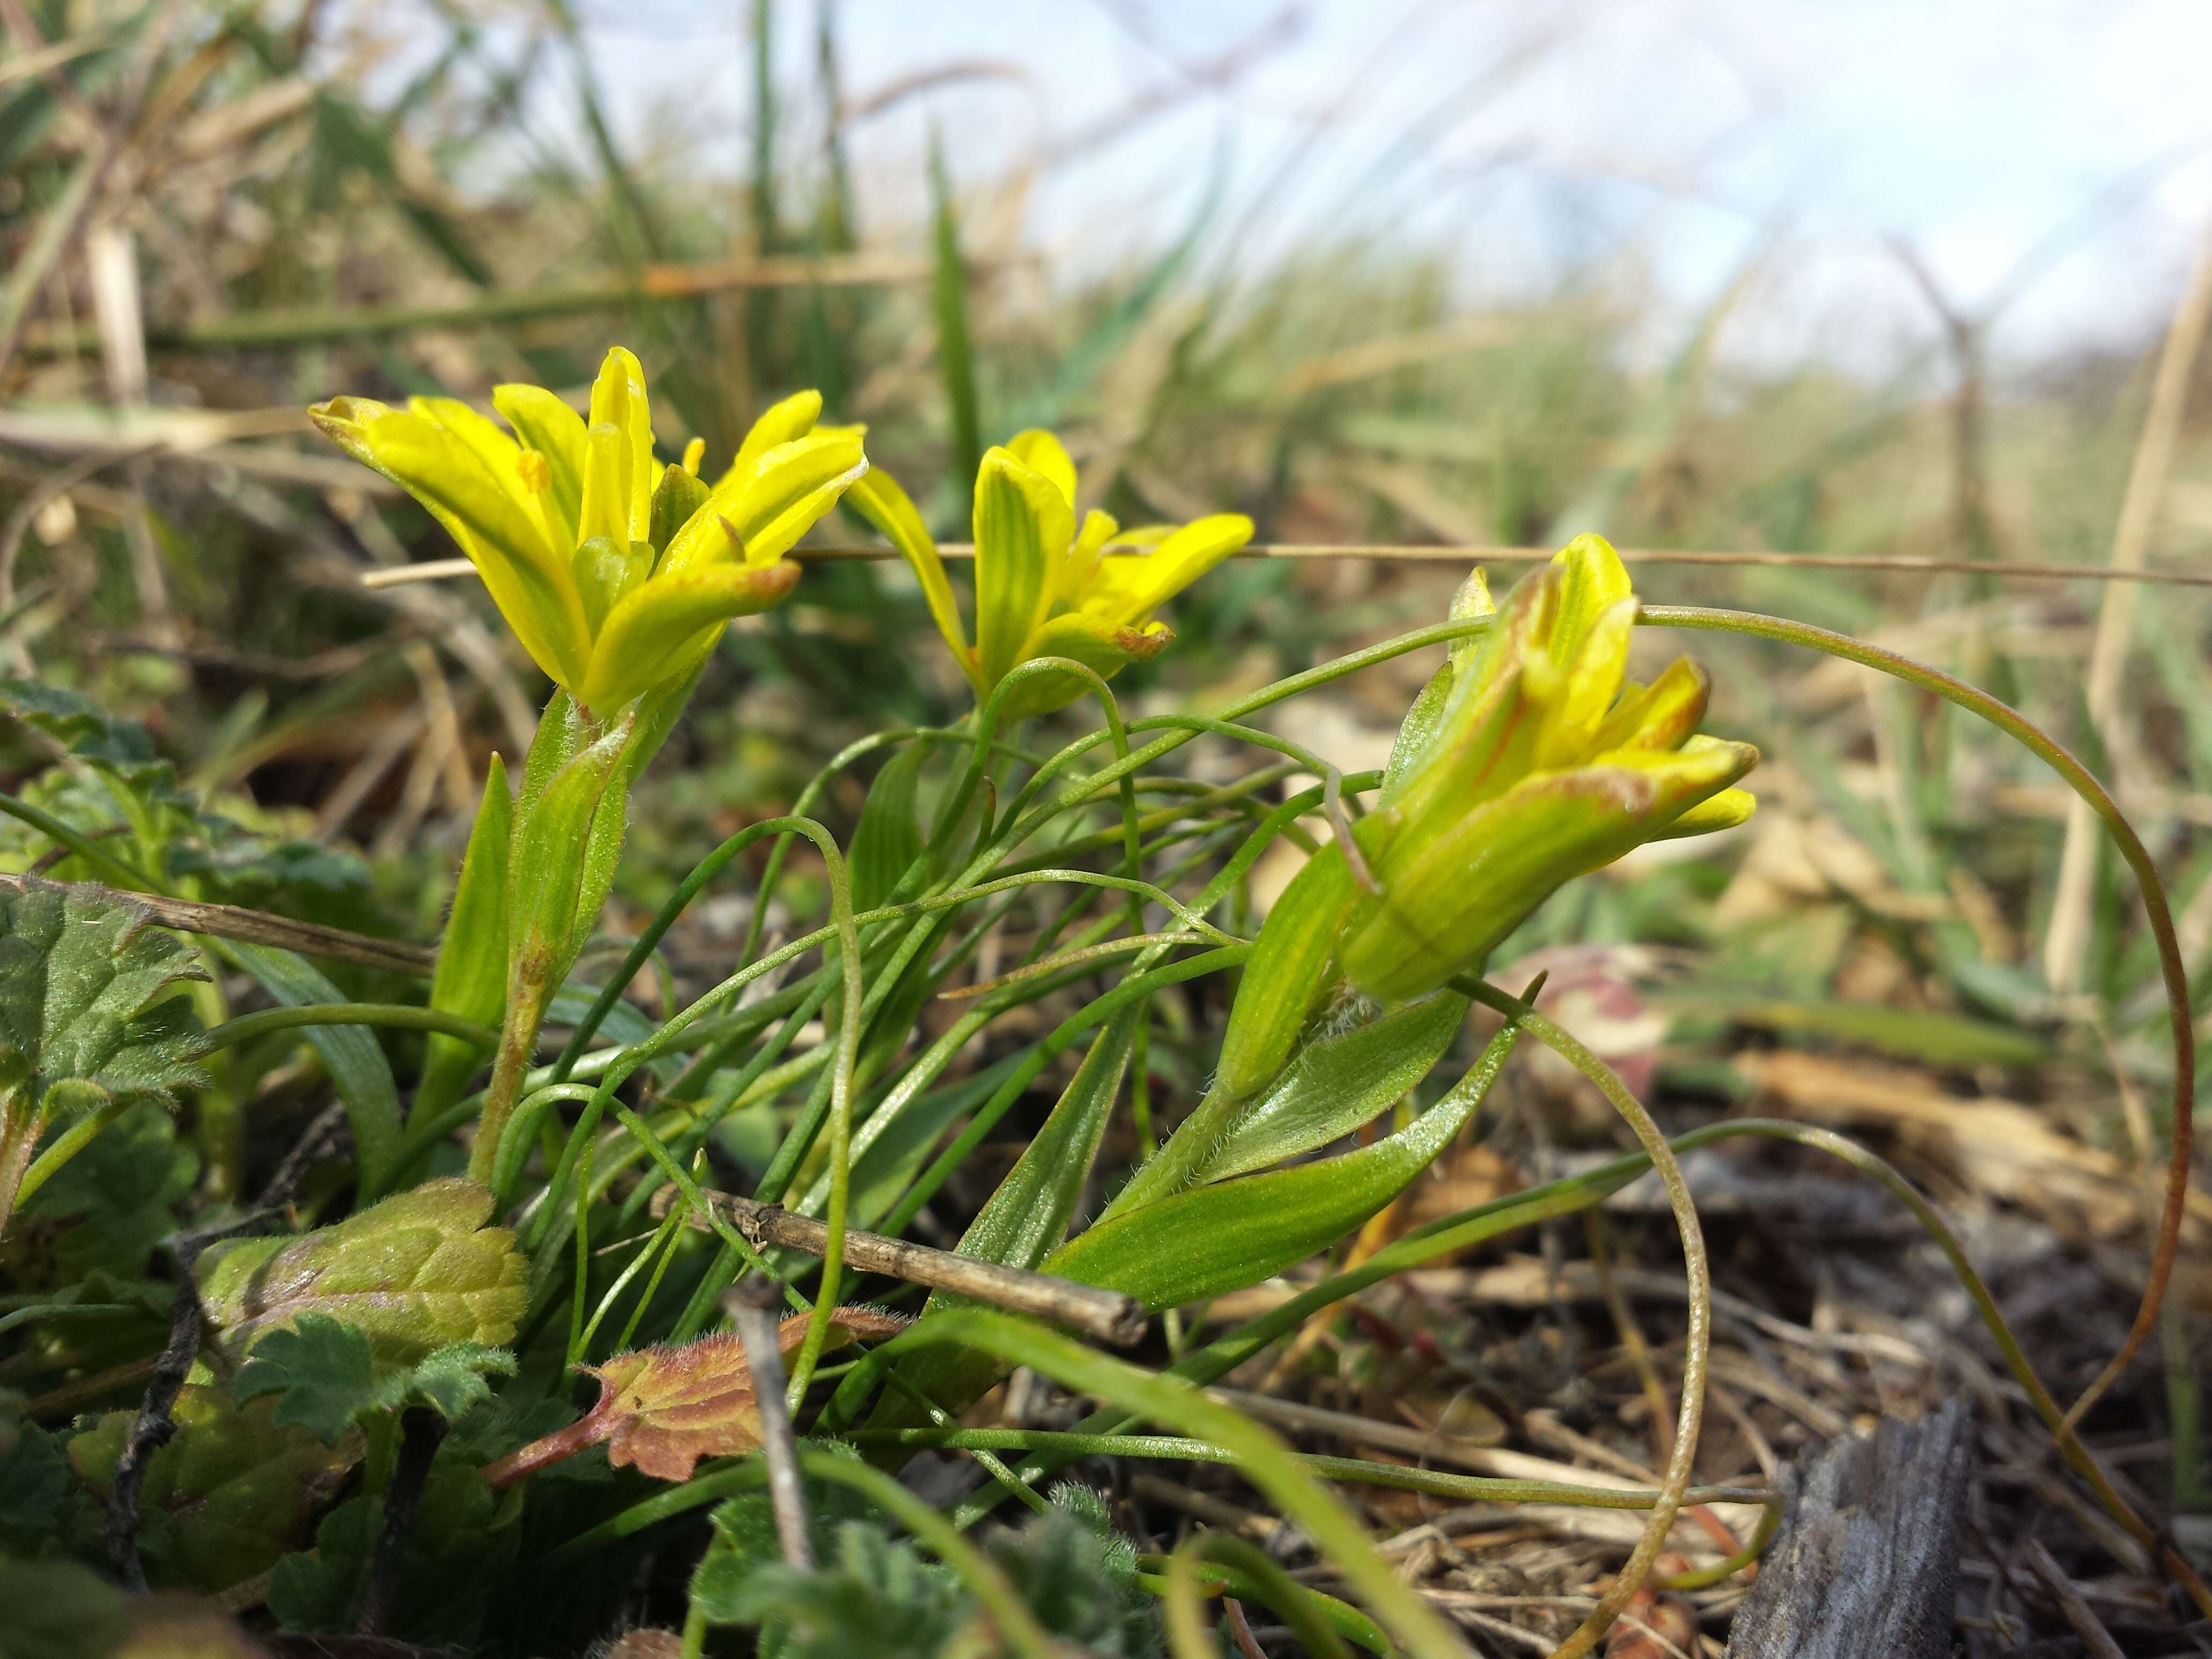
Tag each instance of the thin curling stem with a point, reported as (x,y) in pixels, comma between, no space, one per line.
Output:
(1698,1337)
(2055,754)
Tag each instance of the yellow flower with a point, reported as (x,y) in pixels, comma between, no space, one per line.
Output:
(1535,761)
(1044,588)
(617,575)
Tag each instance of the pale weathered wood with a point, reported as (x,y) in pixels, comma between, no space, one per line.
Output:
(1866,1561)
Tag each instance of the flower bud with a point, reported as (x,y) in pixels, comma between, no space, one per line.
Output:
(1542,764)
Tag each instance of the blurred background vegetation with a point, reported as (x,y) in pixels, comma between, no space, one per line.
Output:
(213,214)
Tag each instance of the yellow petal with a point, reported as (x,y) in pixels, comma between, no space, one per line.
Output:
(881,502)
(1593,581)
(1039,451)
(619,400)
(653,630)
(608,457)
(1024,524)
(778,483)
(1592,679)
(556,432)
(1080,567)
(484,513)
(780,423)
(1722,812)
(1104,647)
(1129,585)
(1661,715)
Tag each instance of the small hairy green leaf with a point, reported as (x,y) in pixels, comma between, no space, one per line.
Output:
(326,1374)
(322,1373)
(89,994)
(416,1272)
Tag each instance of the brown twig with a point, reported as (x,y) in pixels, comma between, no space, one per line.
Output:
(752,1305)
(1107,1315)
(2084,1624)
(420,1429)
(259,927)
(1467,553)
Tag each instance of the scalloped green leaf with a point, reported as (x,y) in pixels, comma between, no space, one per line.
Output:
(414,1272)
(232,1492)
(89,996)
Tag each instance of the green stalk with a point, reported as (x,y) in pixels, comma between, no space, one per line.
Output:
(2078,778)
(396,1015)
(19,1122)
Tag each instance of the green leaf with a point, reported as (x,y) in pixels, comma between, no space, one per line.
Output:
(873,1596)
(1332,1085)
(956,354)
(1027,1218)
(232,1492)
(89,994)
(887,841)
(323,1373)
(108,1208)
(357,1064)
(655,717)
(35,1482)
(1922,1034)
(1079,1578)
(326,1374)
(472,975)
(122,748)
(552,835)
(1208,1240)
(451,1380)
(416,1272)
(1288,969)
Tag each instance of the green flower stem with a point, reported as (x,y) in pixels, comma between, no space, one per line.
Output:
(841,1124)
(2078,777)
(529,1113)
(397,1015)
(65,1146)
(1217,1579)
(1077,792)
(528,994)
(1437,1483)
(1697,1341)
(661,1239)
(1291,1601)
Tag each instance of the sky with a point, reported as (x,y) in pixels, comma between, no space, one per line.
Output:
(2049,162)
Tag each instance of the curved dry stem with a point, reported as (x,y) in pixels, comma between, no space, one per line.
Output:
(1697,1339)
(2172,969)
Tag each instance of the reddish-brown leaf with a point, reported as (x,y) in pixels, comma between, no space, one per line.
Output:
(662,1409)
